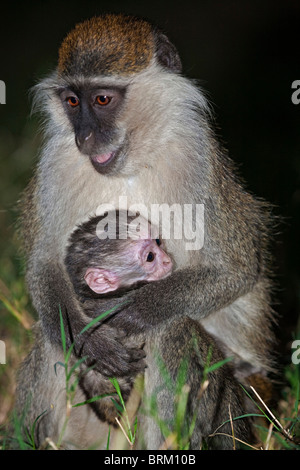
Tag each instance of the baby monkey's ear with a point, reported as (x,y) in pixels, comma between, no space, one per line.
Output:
(101,280)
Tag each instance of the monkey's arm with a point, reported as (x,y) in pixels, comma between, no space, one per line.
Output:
(195,292)
(230,265)
(53,293)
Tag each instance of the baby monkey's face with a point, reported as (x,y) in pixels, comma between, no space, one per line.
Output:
(140,258)
(149,255)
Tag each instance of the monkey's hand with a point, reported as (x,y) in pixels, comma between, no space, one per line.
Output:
(111,352)
(94,384)
(103,345)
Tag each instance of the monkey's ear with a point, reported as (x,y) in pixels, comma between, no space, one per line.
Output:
(167,54)
(101,280)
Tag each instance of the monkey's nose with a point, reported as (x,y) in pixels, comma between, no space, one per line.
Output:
(84,140)
(88,136)
(167,263)
(166,259)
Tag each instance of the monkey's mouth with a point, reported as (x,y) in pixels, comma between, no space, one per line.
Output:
(110,162)
(103,162)
(104,158)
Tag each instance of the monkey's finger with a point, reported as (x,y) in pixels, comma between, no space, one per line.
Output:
(137,354)
(139,366)
(119,333)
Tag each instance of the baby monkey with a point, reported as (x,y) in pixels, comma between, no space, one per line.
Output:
(104,259)
(108,255)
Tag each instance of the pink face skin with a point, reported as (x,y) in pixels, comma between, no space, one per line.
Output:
(150,259)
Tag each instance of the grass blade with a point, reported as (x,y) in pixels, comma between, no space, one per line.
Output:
(100,317)
(62,332)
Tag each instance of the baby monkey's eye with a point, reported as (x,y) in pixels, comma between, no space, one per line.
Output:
(150,257)
(158,241)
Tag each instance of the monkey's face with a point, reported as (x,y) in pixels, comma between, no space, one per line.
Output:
(138,260)
(149,257)
(106,82)
(154,261)
(92,112)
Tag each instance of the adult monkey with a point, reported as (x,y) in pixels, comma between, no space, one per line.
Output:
(122,121)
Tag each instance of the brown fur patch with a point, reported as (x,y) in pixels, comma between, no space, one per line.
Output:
(109,44)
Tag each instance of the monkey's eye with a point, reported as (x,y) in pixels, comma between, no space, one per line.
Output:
(103,100)
(158,241)
(150,257)
(73,101)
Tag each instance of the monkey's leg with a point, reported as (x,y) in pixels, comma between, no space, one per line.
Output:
(183,347)
(42,395)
